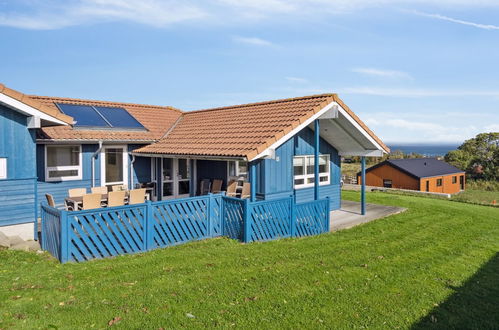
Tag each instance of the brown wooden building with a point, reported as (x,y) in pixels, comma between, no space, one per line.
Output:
(423,174)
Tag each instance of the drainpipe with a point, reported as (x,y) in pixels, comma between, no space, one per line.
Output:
(131,170)
(94,157)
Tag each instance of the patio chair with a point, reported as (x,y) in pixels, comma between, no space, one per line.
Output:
(99,190)
(232,189)
(77,192)
(204,187)
(216,187)
(119,187)
(246,193)
(116,198)
(137,196)
(91,201)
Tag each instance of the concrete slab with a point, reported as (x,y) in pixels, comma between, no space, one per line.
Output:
(25,230)
(349,214)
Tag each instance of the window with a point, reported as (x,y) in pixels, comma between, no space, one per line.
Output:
(454,179)
(387,183)
(238,169)
(3,168)
(62,163)
(303,167)
(439,182)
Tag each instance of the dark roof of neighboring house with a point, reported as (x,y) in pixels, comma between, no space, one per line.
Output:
(420,167)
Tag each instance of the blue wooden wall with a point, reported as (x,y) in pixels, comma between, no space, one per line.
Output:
(275,176)
(17,144)
(17,192)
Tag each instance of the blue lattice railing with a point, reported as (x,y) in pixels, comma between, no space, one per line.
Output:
(107,232)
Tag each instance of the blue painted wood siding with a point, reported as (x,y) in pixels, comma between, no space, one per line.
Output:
(17,144)
(17,192)
(275,176)
(17,201)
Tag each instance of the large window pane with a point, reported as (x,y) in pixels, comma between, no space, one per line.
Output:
(242,168)
(310,165)
(299,165)
(63,156)
(60,174)
(183,187)
(167,169)
(323,168)
(114,165)
(183,169)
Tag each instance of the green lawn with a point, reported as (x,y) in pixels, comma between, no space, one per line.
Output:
(478,197)
(433,266)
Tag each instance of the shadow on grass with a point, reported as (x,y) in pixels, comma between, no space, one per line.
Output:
(475,305)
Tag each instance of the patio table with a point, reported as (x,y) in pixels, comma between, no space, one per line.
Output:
(77,201)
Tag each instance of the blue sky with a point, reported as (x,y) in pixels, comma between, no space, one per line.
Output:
(413,70)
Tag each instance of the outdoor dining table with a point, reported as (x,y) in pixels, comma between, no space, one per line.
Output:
(77,201)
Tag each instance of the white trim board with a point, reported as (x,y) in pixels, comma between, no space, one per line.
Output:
(27,110)
(333,108)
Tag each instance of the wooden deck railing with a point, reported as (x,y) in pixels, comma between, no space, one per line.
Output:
(106,232)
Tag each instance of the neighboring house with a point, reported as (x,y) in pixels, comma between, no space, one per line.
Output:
(423,174)
(63,143)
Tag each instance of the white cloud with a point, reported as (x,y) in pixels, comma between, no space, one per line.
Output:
(55,14)
(458,21)
(297,79)
(50,16)
(252,41)
(382,73)
(415,92)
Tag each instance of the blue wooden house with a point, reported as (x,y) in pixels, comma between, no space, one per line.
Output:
(289,147)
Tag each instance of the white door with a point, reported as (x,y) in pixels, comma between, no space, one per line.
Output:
(114,166)
(176,175)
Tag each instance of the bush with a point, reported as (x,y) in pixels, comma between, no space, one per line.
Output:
(482,185)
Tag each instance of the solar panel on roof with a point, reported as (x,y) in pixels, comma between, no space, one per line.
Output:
(119,117)
(84,115)
(100,117)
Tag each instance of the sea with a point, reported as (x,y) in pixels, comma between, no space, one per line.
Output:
(429,150)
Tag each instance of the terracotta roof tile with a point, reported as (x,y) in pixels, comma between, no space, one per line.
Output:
(242,130)
(28,100)
(156,119)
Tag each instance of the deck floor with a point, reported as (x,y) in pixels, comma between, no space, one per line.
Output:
(349,215)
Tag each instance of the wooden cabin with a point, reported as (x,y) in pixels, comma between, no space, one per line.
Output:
(423,174)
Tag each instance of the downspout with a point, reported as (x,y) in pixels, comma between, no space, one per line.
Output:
(94,157)
(131,170)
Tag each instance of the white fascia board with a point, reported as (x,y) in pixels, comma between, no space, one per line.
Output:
(27,110)
(360,128)
(367,153)
(271,150)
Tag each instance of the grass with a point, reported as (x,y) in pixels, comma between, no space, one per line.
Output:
(434,266)
(482,197)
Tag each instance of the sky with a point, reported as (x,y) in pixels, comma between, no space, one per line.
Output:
(416,71)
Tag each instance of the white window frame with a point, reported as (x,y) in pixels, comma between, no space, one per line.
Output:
(3,168)
(307,176)
(79,167)
(238,174)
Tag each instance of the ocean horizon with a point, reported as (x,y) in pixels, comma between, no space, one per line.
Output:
(428,150)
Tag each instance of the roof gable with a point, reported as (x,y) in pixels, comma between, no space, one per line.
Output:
(33,103)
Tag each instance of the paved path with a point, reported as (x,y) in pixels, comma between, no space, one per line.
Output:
(349,214)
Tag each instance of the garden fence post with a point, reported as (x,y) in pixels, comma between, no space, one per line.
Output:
(44,241)
(247,221)
(209,204)
(328,214)
(292,228)
(64,236)
(149,227)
